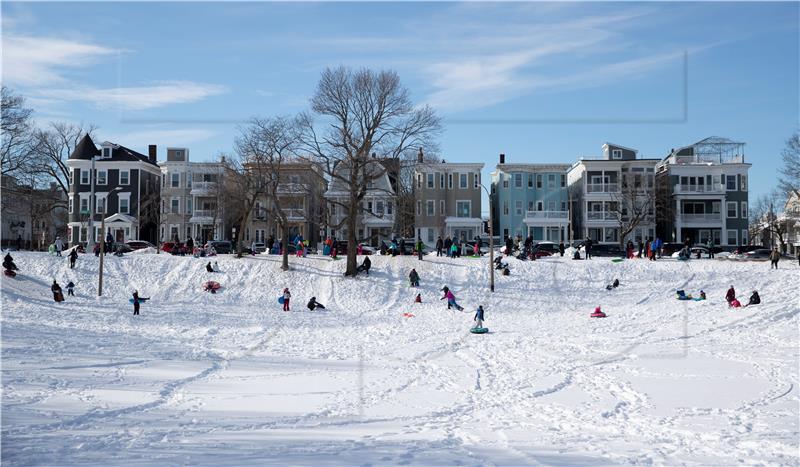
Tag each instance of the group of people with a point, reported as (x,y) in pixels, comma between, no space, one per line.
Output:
(312,304)
(455,248)
(733,302)
(650,249)
(451,303)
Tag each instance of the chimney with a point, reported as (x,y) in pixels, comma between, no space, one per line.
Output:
(152,151)
(374,155)
(502,158)
(419,156)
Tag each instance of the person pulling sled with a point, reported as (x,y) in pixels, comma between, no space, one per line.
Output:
(9,266)
(365,265)
(451,299)
(58,295)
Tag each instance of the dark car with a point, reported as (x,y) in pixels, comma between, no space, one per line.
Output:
(668,249)
(139,244)
(222,247)
(607,250)
(121,247)
(549,247)
(742,249)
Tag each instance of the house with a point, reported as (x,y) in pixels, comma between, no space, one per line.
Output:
(605,191)
(32,217)
(705,193)
(376,215)
(190,204)
(530,200)
(447,197)
(301,186)
(125,192)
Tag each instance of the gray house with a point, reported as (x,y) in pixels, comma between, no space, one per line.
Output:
(130,213)
(705,192)
(447,198)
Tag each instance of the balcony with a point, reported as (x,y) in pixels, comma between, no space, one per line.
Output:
(699,189)
(379,219)
(202,188)
(601,216)
(602,188)
(292,188)
(701,218)
(294,214)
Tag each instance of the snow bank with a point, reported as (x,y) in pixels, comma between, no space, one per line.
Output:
(229,378)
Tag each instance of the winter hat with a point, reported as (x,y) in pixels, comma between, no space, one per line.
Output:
(597,310)
(286,289)
(418,299)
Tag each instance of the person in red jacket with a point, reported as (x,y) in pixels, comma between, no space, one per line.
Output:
(731,295)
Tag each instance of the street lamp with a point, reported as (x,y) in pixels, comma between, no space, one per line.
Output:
(103,240)
(491,241)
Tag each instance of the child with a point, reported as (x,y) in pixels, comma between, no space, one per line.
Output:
(479,317)
(70,286)
(209,268)
(754,299)
(58,296)
(418,299)
(702,295)
(730,295)
(451,300)
(413,277)
(286,297)
(135,302)
(313,304)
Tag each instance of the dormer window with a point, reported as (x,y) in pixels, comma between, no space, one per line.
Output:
(616,153)
(106,153)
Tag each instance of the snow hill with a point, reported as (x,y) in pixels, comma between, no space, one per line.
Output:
(201,379)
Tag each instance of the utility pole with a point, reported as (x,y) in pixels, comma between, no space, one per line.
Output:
(92,209)
(103,241)
(491,241)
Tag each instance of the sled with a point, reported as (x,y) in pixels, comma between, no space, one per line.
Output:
(141,300)
(617,260)
(211,285)
(698,299)
(58,296)
(479,330)
(10,273)
(281,300)
(408,315)
(598,315)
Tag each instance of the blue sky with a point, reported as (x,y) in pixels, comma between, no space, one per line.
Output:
(540,82)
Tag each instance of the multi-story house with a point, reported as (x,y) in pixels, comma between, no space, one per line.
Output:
(32,217)
(447,199)
(190,204)
(601,191)
(530,200)
(704,186)
(376,218)
(791,220)
(301,186)
(126,190)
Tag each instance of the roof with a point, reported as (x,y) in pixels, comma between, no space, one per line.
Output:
(620,146)
(86,149)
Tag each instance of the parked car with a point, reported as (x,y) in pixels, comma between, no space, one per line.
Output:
(169,247)
(121,247)
(259,247)
(139,244)
(222,247)
(549,247)
(762,254)
(607,250)
(742,249)
(668,249)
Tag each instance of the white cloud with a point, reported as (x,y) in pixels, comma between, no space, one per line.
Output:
(159,94)
(181,137)
(36,61)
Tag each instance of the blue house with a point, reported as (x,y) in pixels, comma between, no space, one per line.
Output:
(530,200)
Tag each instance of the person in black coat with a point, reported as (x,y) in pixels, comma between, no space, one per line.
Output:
(8,263)
(365,265)
(209,268)
(587,248)
(561,248)
(313,304)
(135,302)
(439,245)
(509,245)
(413,278)
(447,244)
(755,299)
(73,256)
(58,296)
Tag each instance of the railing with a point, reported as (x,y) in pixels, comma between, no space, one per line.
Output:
(291,188)
(701,217)
(294,213)
(203,186)
(546,214)
(204,213)
(601,215)
(602,187)
(713,188)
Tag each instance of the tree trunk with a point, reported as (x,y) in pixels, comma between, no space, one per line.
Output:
(242,226)
(352,260)
(285,235)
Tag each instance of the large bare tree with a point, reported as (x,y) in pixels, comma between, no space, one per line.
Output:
(789,180)
(634,204)
(765,220)
(363,112)
(52,146)
(15,134)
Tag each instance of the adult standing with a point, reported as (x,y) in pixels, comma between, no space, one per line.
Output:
(19,242)
(710,246)
(73,256)
(58,295)
(439,245)
(774,257)
(420,247)
(587,247)
(509,246)
(447,244)
(59,246)
(190,245)
(110,242)
(561,248)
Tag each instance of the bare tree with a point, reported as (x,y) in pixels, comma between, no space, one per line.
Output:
(789,180)
(363,112)
(52,147)
(15,140)
(765,222)
(633,205)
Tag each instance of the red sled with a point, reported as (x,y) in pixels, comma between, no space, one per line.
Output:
(408,315)
(211,285)
(10,273)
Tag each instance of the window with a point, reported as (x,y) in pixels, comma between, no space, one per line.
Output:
(124,204)
(731,207)
(743,187)
(419,180)
(84,177)
(505,208)
(730,183)
(462,180)
(163,181)
(476,177)
(124,177)
(175,180)
(106,153)
(530,180)
(441,181)
(441,207)
(551,205)
(517,180)
(616,154)
(463,208)
(188,179)
(102,177)
(530,205)
(538,180)
(450,181)
(744,237)
(743,211)
(430,235)
(100,203)
(611,235)
(505,182)
(551,181)
(189,206)
(539,206)
(518,208)
(419,208)
(731,237)
(430,180)
(715,207)
(389,208)
(84,205)
(175,207)
(430,207)
(71,204)
(563,206)
(563,180)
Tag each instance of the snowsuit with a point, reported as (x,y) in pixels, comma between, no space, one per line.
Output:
(365,265)
(209,268)
(730,295)
(73,256)
(587,248)
(453,250)
(479,317)
(59,246)
(70,288)
(58,296)
(561,249)
(451,301)
(413,277)
(420,248)
(447,244)
(509,246)
(135,303)
(8,263)
(754,299)
(439,245)
(312,304)
(286,297)
(774,257)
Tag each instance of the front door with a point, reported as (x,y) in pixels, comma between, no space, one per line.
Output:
(704,235)
(119,235)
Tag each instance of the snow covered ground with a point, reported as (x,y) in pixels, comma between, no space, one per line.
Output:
(229,378)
